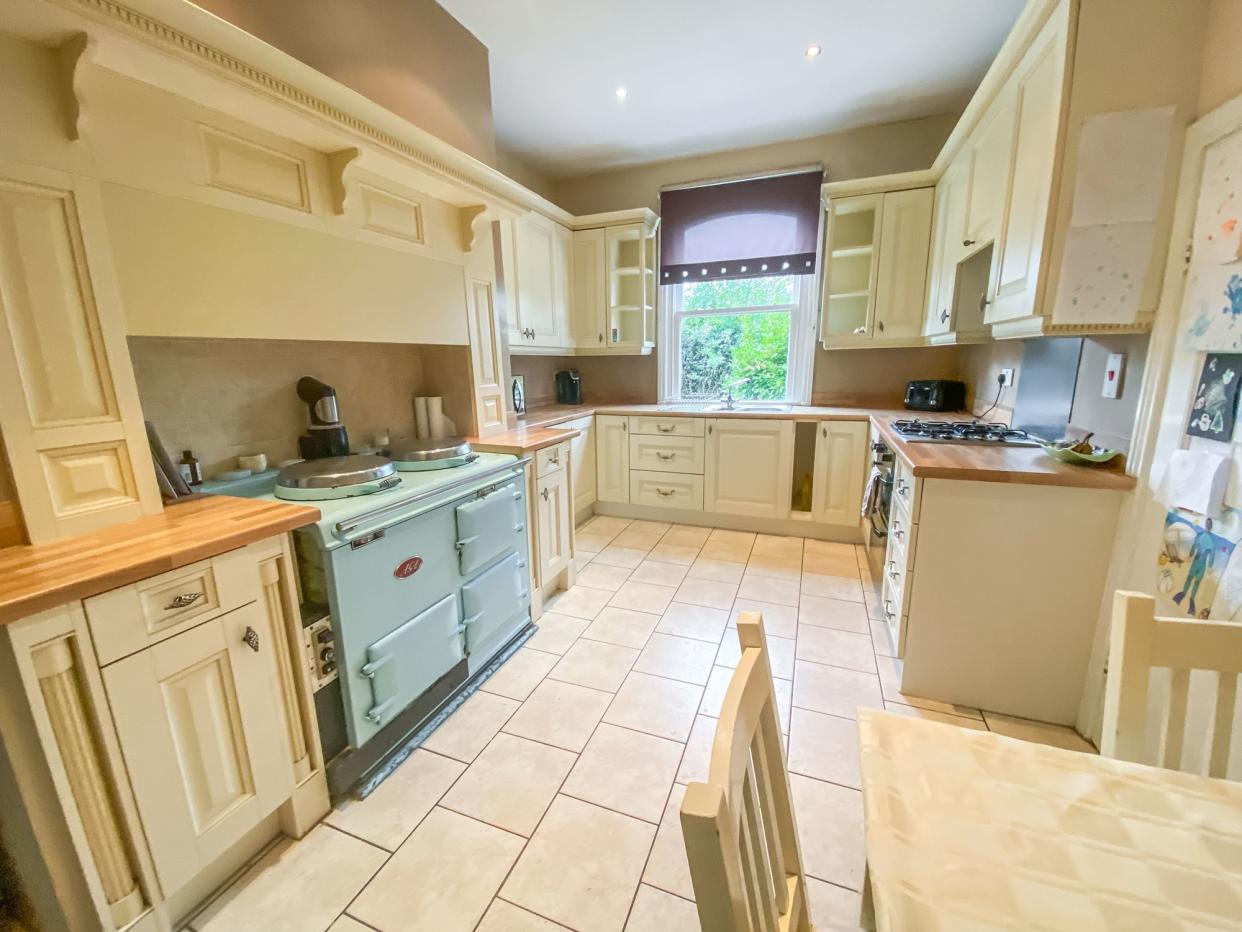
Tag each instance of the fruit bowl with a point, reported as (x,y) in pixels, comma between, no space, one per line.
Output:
(1097,457)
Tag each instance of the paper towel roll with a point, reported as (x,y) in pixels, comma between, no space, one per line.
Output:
(435,417)
(421,423)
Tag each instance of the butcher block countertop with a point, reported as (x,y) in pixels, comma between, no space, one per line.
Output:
(522,439)
(40,576)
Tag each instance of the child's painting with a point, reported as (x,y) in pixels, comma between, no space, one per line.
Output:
(1195,553)
(1216,399)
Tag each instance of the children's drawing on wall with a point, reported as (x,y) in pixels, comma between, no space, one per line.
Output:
(1213,308)
(1216,399)
(1196,552)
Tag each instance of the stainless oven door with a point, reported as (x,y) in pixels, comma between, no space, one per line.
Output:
(875,525)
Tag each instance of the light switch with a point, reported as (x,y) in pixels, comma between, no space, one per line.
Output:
(1112,375)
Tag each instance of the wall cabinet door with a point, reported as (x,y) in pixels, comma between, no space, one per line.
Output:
(990,147)
(589,311)
(534,315)
(200,723)
(901,279)
(748,467)
(554,510)
(612,458)
(1037,103)
(562,289)
(582,464)
(840,464)
(949,231)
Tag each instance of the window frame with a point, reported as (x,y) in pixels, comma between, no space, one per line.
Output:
(800,359)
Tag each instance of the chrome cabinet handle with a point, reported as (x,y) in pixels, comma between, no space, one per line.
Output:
(665,492)
(251,639)
(880,324)
(944,316)
(544,495)
(901,487)
(968,242)
(625,426)
(601,338)
(554,460)
(665,456)
(183,600)
(665,429)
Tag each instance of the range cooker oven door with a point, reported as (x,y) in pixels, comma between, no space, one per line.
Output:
(403,664)
(486,526)
(492,600)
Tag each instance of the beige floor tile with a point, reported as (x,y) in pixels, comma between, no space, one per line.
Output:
(595,664)
(778,620)
(605,524)
(784,548)
(505,917)
(836,648)
(694,621)
(346,924)
(707,592)
(397,805)
(718,570)
(725,535)
(296,885)
(831,587)
(677,658)
(643,597)
(774,567)
(628,557)
(784,702)
(638,539)
(626,771)
(622,626)
(582,558)
(833,613)
(657,911)
(846,567)
(932,715)
(667,867)
(661,574)
(697,756)
(468,730)
(1058,736)
(833,908)
(579,601)
(520,674)
(824,747)
(560,714)
(556,633)
(593,543)
(602,576)
(764,589)
(511,784)
(726,550)
(685,535)
(830,827)
(890,685)
(829,548)
(780,654)
(568,875)
(881,641)
(673,553)
(713,695)
(652,704)
(834,690)
(651,527)
(442,878)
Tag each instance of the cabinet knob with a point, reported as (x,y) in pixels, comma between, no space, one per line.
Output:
(944,316)
(251,639)
(968,242)
(544,495)
(601,338)
(880,324)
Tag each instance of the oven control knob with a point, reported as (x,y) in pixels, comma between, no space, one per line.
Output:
(328,655)
(324,636)
(328,668)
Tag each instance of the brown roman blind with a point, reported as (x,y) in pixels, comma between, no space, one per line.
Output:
(740,229)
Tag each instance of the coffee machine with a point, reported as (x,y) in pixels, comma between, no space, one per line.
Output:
(326,434)
(568,387)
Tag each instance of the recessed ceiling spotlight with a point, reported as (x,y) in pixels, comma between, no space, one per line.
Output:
(813,51)
(622,93)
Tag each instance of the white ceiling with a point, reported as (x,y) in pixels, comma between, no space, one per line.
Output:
(709,75)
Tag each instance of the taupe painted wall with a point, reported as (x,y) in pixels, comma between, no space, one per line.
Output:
(1221,78)
(410,56)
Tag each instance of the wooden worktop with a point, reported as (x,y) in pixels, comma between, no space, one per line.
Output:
(522,440)
(40,576)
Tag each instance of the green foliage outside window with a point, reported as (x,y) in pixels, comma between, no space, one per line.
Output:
(746,352)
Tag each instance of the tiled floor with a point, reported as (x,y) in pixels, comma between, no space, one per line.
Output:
(549,800)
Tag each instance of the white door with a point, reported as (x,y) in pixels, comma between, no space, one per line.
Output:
(901,280)
(199,720)
(589,313)
(990,146)
(582,464)
(554,524)
(748,467)
(947,245)
(535,243)
(840,470)
(612,459)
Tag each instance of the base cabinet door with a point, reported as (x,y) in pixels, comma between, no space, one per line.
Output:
(840,464)
(200,726)
(612,459)
(748,467)
(554,510)
(582,464)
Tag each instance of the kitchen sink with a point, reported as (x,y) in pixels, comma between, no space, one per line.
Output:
(744,408)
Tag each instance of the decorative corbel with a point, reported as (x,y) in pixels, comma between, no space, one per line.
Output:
(339,165)
(71,55)
(471,216)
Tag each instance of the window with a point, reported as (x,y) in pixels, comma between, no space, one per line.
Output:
(749,336)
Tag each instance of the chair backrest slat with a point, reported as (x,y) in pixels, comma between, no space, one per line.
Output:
(739,827)
(1140,642)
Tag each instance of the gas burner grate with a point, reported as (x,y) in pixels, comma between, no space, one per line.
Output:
(917,429)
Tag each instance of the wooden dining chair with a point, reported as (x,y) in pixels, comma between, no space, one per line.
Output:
(1140,642)
(740,834)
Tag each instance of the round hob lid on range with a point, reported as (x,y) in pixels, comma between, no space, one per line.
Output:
(336,477)
(429,453)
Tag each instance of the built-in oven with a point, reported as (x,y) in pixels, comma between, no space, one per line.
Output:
(879,499)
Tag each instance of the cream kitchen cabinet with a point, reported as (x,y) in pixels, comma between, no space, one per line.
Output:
(748,466)
(988,153)
(840,464)
(589,312)
(901,275)
(612,458)
(554,510)
(949,233)
(539,287)
(582,467)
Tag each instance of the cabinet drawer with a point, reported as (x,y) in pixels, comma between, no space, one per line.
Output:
(666,454)
(667,426)
(136,616)
(906,489)
(550,459)
(666,490)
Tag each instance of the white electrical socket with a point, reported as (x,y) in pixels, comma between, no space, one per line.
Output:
(1112,375)
(1006,377)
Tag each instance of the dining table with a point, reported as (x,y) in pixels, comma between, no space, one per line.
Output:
(969,831)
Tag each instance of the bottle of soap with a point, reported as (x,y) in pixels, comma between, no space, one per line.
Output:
(191,469)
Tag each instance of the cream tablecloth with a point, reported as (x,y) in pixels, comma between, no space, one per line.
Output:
(968,830)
